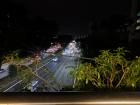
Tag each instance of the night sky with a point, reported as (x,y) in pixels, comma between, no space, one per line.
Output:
(73,16)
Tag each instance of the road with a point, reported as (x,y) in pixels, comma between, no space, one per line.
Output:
(59,72)
(56,73)
(14,87)
(62,68)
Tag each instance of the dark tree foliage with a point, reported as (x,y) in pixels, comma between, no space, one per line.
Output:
(107,33)
(18,32)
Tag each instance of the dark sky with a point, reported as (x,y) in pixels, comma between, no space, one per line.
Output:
(74,15)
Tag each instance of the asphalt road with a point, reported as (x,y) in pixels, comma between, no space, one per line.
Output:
(55,73)
(62,68)
(58,73)
(16,86)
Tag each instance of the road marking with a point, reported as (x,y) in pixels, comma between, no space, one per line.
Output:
(22,80)
(35,71)
(12,86)
(44,65)
(49,60)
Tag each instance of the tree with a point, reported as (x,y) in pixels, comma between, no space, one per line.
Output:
(110,70)
(16,29)
(25,74)
(132,77)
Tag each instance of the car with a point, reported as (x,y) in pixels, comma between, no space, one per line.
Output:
(55,59)
(44,55)
(33,86)
(2,70)
(64,53)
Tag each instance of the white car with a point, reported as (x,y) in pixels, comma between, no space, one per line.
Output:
(33,86)
(55,59)
(2,70)
(64,53)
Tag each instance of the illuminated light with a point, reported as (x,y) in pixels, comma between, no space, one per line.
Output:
(138,28)
(138,21)
(4,104)
(83,103)
(72,49)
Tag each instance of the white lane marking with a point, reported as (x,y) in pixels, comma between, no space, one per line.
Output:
(13,86)
(43,65)
(22,80)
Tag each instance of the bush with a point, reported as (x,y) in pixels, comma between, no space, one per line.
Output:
(25,74)
(110,70)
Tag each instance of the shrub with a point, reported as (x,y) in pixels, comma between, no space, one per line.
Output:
(110,70)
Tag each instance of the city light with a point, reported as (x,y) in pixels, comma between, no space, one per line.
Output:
(73,49)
